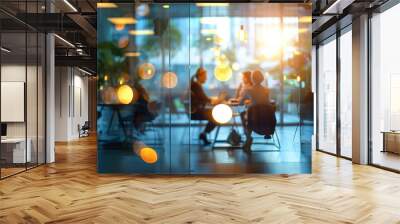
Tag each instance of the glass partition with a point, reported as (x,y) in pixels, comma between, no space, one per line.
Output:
(385,88)
(22,89)
(327,96)
(346,94)
(204,88)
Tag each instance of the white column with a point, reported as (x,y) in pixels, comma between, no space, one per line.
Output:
(360,90)
(50,99)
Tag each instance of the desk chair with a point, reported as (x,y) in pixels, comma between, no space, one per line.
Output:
(261,120)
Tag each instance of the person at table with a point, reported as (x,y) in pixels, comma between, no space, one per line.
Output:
(257,95)
(199,101)
(243,88)
(143,104)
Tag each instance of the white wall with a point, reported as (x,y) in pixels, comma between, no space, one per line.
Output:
(71,102)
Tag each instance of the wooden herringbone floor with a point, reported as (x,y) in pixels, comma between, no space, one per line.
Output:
(70,191)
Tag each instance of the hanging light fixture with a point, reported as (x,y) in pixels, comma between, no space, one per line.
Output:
(242,35)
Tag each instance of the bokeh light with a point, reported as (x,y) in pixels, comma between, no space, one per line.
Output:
(169,80)
(119,27)
(146,71)
(108,95)
(235,66)
(223,72)
(148,155)
(142,9)
(222,113)
(126,94)
(123,42)
(242,35)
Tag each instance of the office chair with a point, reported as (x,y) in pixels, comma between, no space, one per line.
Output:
(261,120)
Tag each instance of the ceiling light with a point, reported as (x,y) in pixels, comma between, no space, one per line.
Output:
(84,71)
(122,20)
(305,19)
(5,50)
(165,6)
(106,5)
(132,54)
(65,41)
(70,5)
(338,6)
(141,32)
(209,4)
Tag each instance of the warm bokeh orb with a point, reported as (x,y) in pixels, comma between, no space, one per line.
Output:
(146,71)
(223,72)
(148,155)
(125,94)
(123,42)
(222,113)
(169,80)
(108,95)
(235,66)
(119,27)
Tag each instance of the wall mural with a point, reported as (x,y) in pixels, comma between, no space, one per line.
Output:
(204,88)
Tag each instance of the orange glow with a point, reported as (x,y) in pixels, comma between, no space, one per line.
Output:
(141,32)
(132,54)
(126,94)
(108,95)
(146,71)
(119,27)
(223,72)
(123,42)
(169,80)
(148,155)
(122,20)
(106,5)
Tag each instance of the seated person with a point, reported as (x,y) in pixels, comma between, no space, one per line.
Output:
(245,85)
(258,95)
(199,101)
(143,105)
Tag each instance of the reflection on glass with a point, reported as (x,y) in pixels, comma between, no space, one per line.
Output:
(16,148)
(185,64)
(346,94)
(327,97)
(385,85)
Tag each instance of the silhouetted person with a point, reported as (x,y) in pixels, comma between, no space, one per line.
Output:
(199,101)
(257,95)
(244,86)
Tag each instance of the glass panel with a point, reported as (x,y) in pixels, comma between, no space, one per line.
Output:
(177,82)
(385,84)
(41,99)
(32,98)
(346,94)
(327,97)
(14,153)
